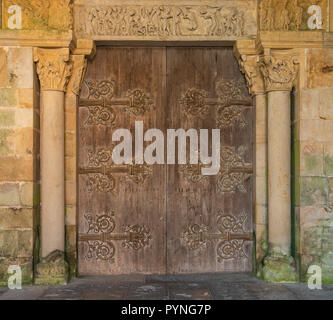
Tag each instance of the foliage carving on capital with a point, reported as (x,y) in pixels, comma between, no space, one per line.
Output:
(279,72)
(249,65)
(54,68)
(79,70)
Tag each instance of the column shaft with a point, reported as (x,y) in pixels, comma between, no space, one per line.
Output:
(52,172)
(279,167)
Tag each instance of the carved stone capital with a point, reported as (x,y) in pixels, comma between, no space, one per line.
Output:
(279,72)
(79,70)
(54,68)
(250,67)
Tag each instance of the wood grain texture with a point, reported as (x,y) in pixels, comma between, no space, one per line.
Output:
(167,202)
(200,203)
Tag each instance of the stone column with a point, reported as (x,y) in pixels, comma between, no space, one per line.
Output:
(54,70)
(280,72)
(250,67)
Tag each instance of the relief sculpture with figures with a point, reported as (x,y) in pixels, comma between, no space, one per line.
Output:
(166,20)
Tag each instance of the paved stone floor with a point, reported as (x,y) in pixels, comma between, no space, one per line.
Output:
(185,287)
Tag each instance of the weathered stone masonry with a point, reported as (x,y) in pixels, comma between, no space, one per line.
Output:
(41,71)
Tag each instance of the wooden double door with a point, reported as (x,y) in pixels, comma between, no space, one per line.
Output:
(162,218)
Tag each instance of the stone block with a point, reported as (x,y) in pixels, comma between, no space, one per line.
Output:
(26,268)
(312,130)
(326,103)
(309,104)
(3,68)
(26,98)
(17,169)
(70,169)
(7,117)
(6,148)
(24,118)
(8,97)
(27,194)
(25,243)
(16,218)
(261,191)
(23,141)
(70,215)
(9,243)
(70,121)
(328,159)
(311,158)
(317,60)
(314,191)
(260,214)
(70,144)
(70,238)
(9,194)
(70,194)
(20,67)
(261,160)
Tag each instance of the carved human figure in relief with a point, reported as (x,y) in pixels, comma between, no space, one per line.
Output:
(298,16)
(211,14)
(165,21)
(284,19)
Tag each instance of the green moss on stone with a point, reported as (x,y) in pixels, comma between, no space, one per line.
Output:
(4,146)
(328,165)
(279,268)
(8,97)
(314,191)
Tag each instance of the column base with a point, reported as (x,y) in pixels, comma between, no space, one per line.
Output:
(279,268)
(52,270)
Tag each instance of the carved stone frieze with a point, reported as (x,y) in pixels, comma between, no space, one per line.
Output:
(279,72)
(54,68)
(285,15)
(224,20)
(43,14)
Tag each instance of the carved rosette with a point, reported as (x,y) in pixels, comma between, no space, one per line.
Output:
(249,66)
(279,72)
(54,68)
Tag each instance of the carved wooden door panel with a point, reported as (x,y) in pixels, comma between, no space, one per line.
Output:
(209,219)
(122,209)
(164,218)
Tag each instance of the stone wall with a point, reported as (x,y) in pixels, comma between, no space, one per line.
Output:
(18,160)
(313,148)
